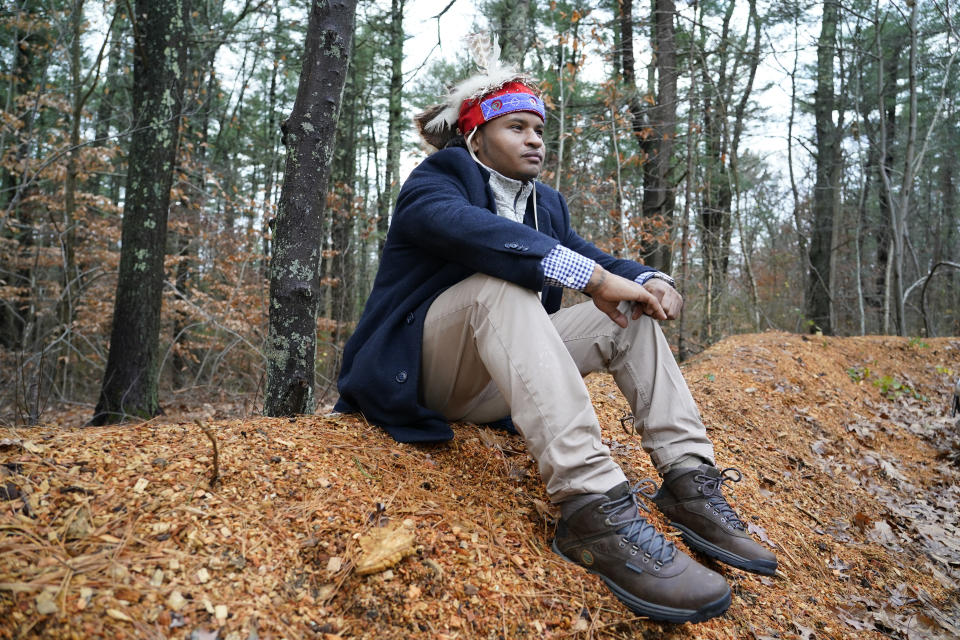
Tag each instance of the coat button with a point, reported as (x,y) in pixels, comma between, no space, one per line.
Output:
(401,376)
(410,318)
(511,245)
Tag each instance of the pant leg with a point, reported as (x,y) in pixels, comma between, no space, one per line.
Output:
(489,350)
(644,368)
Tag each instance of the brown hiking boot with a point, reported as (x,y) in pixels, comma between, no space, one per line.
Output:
(693,501)
(610,538)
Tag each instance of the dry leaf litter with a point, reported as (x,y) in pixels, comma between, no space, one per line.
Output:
(323,527)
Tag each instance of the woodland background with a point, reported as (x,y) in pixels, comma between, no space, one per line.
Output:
(649,106)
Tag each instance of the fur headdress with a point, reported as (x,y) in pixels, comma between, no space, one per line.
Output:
(438,124)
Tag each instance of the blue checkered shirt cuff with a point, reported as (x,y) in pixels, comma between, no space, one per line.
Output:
(648,275)
(564,267)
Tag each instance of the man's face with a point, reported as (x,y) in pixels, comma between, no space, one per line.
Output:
(512,145)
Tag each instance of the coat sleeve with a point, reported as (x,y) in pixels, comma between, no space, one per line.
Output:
(439,211)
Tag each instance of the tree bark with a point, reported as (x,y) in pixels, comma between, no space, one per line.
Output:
(32,46)
(513,21)
(899,221)
(271,168)
(887,75)
(294,269)
(71,279)
(108,101)
(659,197)
(817,301)
(395,123)
(683,351)
(717,195)
(342,216)
(130,379)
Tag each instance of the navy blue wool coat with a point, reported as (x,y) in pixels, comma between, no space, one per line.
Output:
(444,229)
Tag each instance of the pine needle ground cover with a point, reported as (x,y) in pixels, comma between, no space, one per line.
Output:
(323,527)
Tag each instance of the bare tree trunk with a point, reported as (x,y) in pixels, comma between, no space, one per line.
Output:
(130,379)
(294,269)
(342,218)
(512,21)
(738,125)
(817,301)
(66,305)
(561,115)
(682,349)
(395,123)
(621,221)
(659,197)
(268,210)
(714,211)
(801,236)
(107,103)
(899,221)
(30,55)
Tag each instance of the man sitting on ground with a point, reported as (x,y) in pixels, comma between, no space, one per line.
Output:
(464,323)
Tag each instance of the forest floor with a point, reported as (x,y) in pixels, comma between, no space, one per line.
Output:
(851,473)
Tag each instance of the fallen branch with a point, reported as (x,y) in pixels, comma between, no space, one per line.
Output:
(216,454)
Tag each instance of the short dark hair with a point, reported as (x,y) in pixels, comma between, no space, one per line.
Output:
(456,141)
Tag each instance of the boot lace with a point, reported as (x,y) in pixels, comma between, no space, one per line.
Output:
(634,528)
(712,490)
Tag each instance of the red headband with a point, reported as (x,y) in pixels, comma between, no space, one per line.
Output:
(511,97)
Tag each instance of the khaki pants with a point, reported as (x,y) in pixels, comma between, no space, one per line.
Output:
(490,350)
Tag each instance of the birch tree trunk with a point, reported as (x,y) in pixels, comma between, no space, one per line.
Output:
(295,266)
(395,123)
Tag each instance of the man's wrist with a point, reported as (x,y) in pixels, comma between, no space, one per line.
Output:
(597,278)
(646,276)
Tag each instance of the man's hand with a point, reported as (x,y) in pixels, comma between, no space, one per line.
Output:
(670,300)
(609,290)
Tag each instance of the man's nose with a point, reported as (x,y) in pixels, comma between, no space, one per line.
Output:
(533,139)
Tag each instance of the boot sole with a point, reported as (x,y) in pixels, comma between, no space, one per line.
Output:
(653,611)
(718,553)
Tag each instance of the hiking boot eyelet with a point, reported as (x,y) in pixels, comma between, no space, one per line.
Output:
(620,545)
(657,565)
(633,552)
(607,522)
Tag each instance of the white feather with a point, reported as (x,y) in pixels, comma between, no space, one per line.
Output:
(493,75)
(472,88)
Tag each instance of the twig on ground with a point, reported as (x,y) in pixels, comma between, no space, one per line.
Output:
(802,510)
(216,454)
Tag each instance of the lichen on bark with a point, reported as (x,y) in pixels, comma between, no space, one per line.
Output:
(294,279)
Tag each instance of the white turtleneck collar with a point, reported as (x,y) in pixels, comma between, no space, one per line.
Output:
(510,195)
